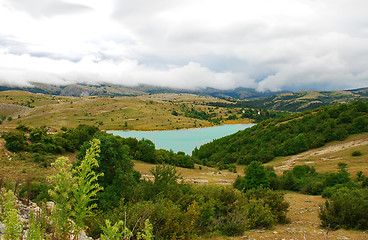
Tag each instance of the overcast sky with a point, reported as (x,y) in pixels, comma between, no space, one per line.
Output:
(262,44)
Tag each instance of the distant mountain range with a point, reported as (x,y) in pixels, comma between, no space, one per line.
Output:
(243,97)
(80,90)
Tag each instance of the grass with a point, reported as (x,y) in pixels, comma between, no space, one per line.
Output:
(326,158)
(149,112)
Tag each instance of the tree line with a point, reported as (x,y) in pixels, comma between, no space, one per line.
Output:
(46,146)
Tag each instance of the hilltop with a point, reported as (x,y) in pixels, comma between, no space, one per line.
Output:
(146,112)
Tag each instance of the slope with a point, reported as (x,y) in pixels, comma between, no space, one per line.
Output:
(287,136)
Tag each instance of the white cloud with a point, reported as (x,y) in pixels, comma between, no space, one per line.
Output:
(126,72)
(284,44)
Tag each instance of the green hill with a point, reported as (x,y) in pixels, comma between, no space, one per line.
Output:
(287,135)
(299,101)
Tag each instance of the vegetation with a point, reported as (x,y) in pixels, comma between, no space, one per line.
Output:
(103,194)
(298,101)
(165,207)
(287,135)
(155,112)
(347,208)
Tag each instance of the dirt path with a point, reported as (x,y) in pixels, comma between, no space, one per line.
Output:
(291,161)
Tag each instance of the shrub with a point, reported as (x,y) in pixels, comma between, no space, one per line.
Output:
(259,215)
(347,208)
(356,154)
(273,199)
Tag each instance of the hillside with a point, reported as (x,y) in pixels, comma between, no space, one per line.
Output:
(301,101)
(286,136)
(146,112)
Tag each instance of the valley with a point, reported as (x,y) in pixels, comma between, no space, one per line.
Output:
(28,113)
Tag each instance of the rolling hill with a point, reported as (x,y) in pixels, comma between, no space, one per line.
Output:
(287,135)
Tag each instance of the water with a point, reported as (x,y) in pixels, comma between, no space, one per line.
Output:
(185,139)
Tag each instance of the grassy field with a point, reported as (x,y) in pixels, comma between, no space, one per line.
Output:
(326,158)
(149,112)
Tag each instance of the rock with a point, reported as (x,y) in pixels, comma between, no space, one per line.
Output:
(2,227)
(50,206)
(83,236)
(342,237)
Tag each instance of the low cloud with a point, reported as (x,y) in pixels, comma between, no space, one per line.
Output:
(126,72)
(265,44)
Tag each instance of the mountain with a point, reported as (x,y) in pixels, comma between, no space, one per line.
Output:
(79,90)
(239,97)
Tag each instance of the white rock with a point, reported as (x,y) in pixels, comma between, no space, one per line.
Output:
(50,205)
(2,227)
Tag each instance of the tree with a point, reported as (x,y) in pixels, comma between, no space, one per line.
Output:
(255,177)
(115,163)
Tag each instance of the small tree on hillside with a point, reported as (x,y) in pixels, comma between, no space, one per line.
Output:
(255,177)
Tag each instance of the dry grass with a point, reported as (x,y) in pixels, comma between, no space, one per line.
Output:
(326,158)
(304,224)
(149,112)
(205,175)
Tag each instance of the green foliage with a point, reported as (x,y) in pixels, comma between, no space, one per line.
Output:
(115,232)
(114,162)
(43,143)
(258,215)
(286,135)
(306,180)
(347,208)
(144,150)
(74,192)
(11,220)
(148,231)
(35,231)
(15,141)
(255,177)
(64,184)
(272,199)
(356,153)
(87,186)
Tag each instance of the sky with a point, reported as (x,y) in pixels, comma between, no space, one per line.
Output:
(262,44)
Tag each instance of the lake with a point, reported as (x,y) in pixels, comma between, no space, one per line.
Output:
(184,139)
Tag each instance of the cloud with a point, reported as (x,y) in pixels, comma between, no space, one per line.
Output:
(20,70)
(266,44)
(47,8)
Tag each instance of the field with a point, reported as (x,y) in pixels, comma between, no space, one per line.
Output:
(148,112)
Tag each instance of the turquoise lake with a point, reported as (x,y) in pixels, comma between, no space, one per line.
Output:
(184,139)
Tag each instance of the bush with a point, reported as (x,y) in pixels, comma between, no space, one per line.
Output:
(356,154)
(347,208)
(273,199)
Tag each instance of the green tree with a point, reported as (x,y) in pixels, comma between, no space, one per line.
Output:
(255,177)
(115,163)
